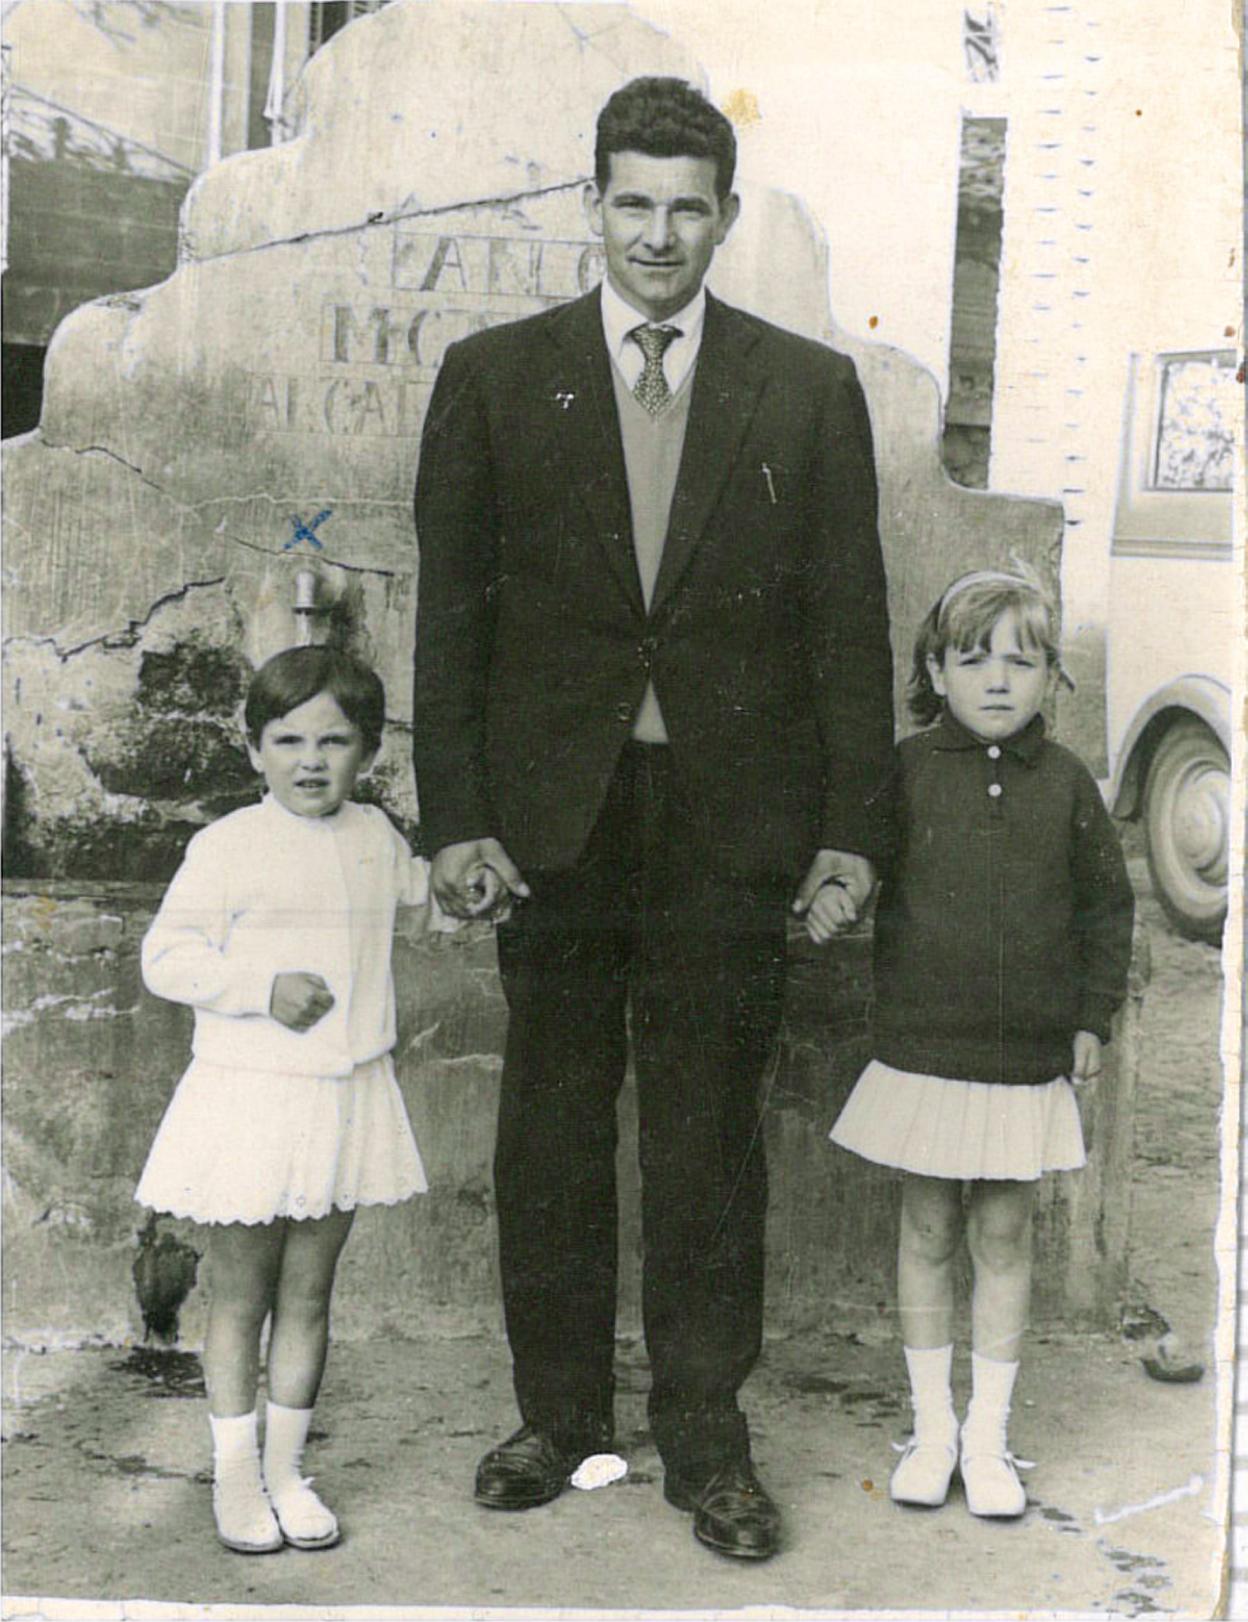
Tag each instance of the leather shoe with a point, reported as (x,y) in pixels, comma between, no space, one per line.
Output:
(733,1513)
(524,1471)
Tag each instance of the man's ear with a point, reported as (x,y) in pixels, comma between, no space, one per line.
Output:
(936,675)
(591,201)
(728,211)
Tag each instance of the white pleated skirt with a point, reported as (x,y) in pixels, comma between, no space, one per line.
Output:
(250,1146)
(939,1127)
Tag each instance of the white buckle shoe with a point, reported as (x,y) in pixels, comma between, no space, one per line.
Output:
(990,1478)
(304,1521)
(923,1472)
(245,1519)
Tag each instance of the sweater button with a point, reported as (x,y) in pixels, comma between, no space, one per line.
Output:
(624,712)
(994,753)
(994,791)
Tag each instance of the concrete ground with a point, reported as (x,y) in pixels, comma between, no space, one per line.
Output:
(106,1491)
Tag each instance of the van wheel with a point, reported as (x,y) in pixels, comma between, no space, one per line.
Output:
(1187,820)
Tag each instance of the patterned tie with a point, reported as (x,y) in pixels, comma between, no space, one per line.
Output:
(651,387)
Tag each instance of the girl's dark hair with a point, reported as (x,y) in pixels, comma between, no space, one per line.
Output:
(665,118)
(292,677)
(963,618)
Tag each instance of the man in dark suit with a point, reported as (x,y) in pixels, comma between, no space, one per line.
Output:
(652,702)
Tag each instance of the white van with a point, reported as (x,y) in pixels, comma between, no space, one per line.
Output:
(1172,627)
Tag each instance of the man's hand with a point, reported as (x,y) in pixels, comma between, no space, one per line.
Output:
(475,879)
(1086,1059)
(299,1000)
(836,888)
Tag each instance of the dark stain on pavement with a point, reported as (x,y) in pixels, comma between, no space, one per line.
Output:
(169,1373)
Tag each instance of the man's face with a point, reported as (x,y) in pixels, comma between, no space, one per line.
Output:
(661,222)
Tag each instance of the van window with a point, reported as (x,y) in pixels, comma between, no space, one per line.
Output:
(1194,443)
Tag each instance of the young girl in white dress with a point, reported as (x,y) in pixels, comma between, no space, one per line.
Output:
(277,931)
(1002,944)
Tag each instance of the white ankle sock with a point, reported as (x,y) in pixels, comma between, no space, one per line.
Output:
(285,1437)
(303,1517)
(244,1519)
(992,1386)
(931,1394)
(233,1439)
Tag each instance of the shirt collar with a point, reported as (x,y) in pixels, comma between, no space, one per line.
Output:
(275,808)
(619,318)
(1024,745)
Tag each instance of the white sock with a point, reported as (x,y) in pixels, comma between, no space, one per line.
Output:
(244,1518)
(931,1392)
(285,1437)
(992,1385)
(234,1440)
(300,1512)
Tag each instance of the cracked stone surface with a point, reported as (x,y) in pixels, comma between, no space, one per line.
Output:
(259,412)
(91,1059)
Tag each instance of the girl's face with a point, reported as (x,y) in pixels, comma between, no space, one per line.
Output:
(311,757)
(994,691)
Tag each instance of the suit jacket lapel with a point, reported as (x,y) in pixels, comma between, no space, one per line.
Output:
(726,388)
(582,435)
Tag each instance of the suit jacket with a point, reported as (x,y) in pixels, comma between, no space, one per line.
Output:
(766,639)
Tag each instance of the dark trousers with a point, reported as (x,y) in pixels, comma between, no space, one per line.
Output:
(639,934)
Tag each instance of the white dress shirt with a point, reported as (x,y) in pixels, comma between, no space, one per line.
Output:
(264,892)
(619,319)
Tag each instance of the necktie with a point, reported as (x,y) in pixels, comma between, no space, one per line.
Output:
(651,387)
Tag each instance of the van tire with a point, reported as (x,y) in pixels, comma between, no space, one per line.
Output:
(1187,825)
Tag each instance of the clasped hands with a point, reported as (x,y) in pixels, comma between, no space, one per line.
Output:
(832,896)
(477,879)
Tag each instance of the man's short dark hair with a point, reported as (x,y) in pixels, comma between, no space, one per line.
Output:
(290,679)
(665,118)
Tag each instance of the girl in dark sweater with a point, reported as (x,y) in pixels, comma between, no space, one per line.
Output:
(1002,943)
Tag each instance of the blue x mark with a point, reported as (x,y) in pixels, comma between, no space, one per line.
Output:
(305,532)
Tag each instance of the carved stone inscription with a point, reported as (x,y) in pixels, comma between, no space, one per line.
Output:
(378,356)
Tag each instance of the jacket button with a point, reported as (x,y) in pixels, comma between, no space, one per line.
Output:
(624,712)
(994,791)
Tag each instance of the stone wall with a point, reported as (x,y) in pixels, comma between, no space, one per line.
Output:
(258,414)
(91,1059)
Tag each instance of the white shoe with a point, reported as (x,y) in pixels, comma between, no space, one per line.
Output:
(245,1519)
(304,1521)
(924,1471)
(990,1477)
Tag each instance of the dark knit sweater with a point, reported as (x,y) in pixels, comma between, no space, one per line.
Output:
(1004,920)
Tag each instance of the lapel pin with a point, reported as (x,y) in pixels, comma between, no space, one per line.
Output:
(564,397)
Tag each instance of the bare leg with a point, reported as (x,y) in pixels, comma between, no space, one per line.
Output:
(999,1235)
(300,1335)
(244,1262)
(931,1226)
(998,1232)
(296,1361)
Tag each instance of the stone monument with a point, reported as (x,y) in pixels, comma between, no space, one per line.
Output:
(226,463)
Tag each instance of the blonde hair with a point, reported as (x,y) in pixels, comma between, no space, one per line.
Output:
(963,618)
